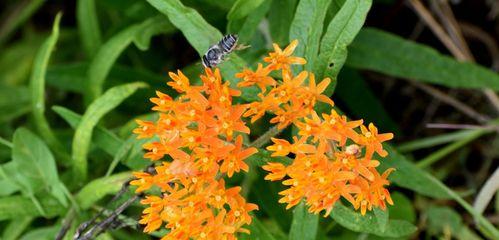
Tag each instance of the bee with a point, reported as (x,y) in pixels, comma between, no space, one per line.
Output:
(217,53)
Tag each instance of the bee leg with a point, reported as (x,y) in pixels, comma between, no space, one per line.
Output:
(241,47)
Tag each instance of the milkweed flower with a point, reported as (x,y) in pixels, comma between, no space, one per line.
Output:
(197,138)
(333,157)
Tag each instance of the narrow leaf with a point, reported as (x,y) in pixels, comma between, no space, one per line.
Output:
(387,53)
(16,227)
(88,26)
(304,225)
(339,34)
(95,111)
(37,85)
(110,51)
(98,188)
(307,28)
(280,17)
(103,138)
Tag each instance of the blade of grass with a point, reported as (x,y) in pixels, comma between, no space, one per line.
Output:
(438,155)
(88,26)
(95,111)
(433,141)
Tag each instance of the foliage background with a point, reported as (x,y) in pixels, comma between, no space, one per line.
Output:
(72,83)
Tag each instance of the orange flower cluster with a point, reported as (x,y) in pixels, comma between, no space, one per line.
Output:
(197,131)
(331,159)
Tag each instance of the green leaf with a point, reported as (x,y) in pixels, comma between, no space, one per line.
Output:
(37,86)
(409,176)
(110,51)
(422,143)
(121,153)
(88,26)
(23,51)
(16,227)
(7,187)
(35,166)
(243,8)
(95,111)
(354,221)
(390,54)
(443,219)
(402,208)
(103,138)
(280,17)
(14,101)
(339,34)
(98,188)
(307,28)
(201,35)
(304,225)
(43,233)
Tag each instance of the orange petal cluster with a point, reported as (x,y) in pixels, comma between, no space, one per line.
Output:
(332,156)
(199,133)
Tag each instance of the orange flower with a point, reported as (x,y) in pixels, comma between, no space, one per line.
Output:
(235,161)
(259,77)
(282,59)
(372,140)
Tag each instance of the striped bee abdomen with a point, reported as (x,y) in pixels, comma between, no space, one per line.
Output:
(228,43)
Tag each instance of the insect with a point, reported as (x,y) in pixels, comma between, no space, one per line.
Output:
(217,53)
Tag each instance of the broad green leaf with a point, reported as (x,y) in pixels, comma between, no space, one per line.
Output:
(103,138)
(307,28)
(35,166)
(95,111)
(354,221)
(304,225)
(257,231)
(16,17)
(280,17)
(339,34)
(14,207)
(390,54)
(201,35)
(243,8)
(98,188)
(407,175)
(110,51)
(88,26)
(7,187)
(16,227)
(37,86)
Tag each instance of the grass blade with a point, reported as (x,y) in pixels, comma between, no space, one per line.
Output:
(88,26)
(387,53)
(95,111)
(307,28)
